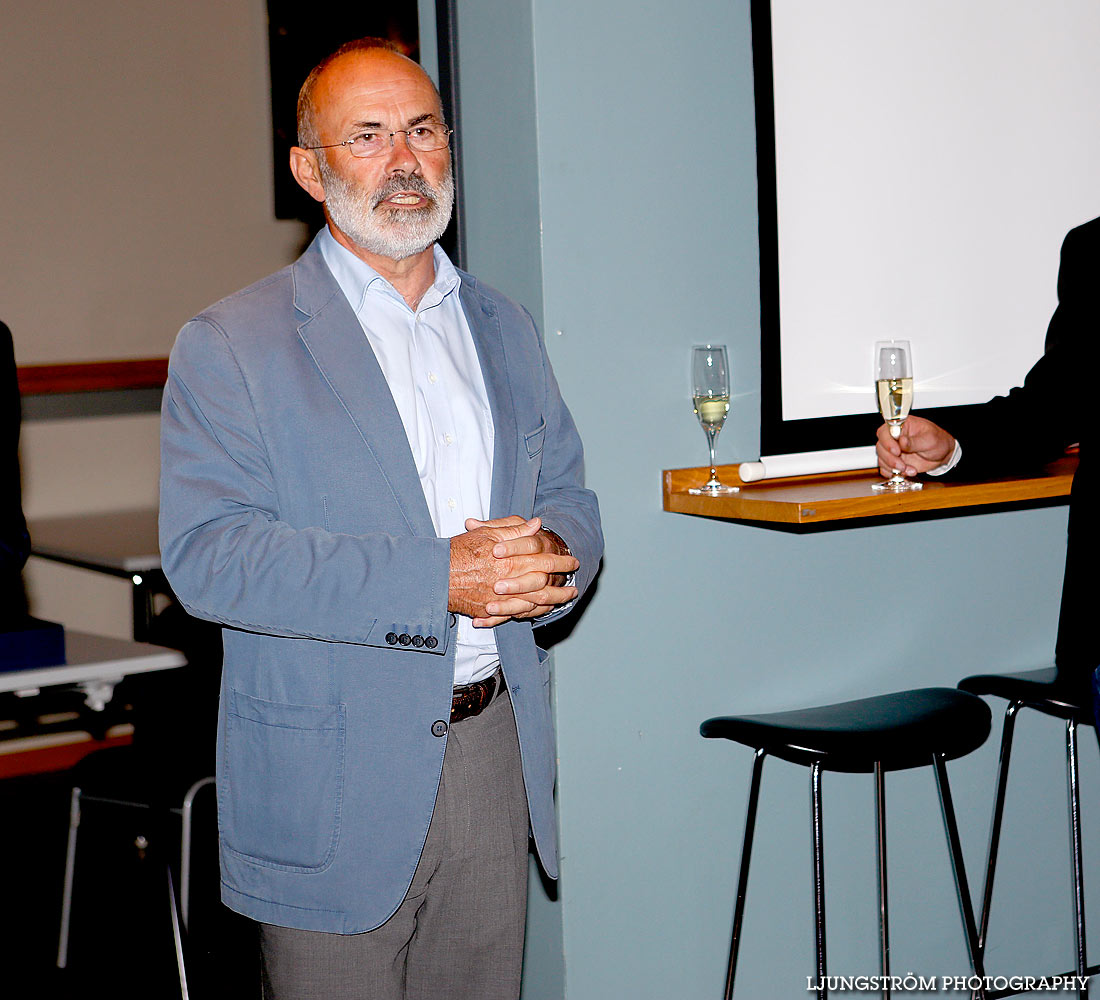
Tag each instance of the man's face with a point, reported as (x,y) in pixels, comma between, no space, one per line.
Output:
(396,204)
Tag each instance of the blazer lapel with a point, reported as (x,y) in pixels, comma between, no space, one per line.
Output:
(341,351)
(484,321)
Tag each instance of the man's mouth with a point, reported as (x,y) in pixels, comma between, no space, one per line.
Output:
(406,199)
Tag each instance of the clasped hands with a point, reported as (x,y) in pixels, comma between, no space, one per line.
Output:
(507,568)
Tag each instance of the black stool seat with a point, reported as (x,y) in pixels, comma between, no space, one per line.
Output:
(1042,690)
(925,727)
(898,731)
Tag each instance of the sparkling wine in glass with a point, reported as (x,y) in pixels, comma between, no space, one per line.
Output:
(894,389)
(710,395)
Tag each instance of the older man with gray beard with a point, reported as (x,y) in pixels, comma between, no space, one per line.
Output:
(369,478)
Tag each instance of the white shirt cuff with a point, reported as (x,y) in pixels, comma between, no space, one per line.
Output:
(949,464)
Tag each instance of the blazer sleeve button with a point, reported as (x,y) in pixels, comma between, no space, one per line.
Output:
(391,638)
(431,642)
(439,728)
(404,638)
(418,641)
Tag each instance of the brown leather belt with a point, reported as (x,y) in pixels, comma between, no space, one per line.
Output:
(471,699)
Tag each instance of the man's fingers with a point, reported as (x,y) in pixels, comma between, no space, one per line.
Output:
(523,545)
(886,440)
(510,532)
(522,604)
(525,583)
(512,520)
(537,562)
(490,622)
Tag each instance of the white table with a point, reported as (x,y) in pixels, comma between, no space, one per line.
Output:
(94,664)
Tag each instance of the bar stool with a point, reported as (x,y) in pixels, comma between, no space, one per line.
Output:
(1042,691)
(892,732)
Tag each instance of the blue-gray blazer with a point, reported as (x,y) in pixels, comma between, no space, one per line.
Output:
(291,512)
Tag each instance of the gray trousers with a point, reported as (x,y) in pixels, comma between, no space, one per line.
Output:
(459,932)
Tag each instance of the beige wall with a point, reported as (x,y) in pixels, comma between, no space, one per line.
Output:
(136,170)
(136,189)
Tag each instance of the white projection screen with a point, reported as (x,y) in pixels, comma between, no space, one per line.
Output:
(920,163)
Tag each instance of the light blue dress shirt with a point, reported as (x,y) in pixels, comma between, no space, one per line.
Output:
(434,375)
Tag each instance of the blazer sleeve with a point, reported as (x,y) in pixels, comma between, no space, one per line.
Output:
(561,500)
(1036,421)
(228,555)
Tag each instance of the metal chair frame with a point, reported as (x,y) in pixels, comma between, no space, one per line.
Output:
(1083,969)
(180,911)
(816,832)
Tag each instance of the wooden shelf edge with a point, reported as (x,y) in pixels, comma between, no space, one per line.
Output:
(92,376)
(819,499)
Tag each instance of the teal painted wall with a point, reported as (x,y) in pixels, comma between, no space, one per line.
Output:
(609,165)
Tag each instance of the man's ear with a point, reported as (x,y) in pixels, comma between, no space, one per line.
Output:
(307,172)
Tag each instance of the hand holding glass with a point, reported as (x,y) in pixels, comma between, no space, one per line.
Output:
(894,389)
(710,394)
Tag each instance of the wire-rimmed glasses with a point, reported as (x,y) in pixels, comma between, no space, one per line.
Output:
(427,137)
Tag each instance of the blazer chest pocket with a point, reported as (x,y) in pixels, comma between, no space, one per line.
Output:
(534,440)
(282,782)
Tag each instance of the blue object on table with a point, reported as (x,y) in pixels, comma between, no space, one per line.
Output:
(31,642)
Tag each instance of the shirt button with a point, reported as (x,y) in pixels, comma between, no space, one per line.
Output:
(432,378)
(447,439)
(452,503)
(439,728)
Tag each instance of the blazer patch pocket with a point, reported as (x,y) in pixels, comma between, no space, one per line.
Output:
(534,440)
(283,782)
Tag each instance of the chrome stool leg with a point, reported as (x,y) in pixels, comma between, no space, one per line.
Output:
(883,908)
(963,890)
(817,833)
(1076,854)
(997,820)
(743,874)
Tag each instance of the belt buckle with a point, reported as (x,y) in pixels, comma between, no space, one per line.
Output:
(475,698)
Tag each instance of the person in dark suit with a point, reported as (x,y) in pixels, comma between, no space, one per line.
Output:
(15,544)
(1054,408)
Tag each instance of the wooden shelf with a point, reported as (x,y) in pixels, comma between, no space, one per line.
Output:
(806,500)
(92,376)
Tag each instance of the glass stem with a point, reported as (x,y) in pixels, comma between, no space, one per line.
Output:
(712,436)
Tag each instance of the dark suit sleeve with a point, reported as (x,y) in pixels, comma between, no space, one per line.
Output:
(14,543)
(1036,421)
(1077,313)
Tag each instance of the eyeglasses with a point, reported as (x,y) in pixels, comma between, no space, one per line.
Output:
(424,138)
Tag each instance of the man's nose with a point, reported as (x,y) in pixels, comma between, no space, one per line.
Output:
(401,157)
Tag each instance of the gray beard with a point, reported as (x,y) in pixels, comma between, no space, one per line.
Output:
(388,232)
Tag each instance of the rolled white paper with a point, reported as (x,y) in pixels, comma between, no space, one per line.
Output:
(809,463)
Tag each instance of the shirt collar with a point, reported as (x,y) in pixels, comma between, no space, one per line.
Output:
(356,277)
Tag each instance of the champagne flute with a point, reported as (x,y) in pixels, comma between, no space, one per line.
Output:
(894,389)
(710,394)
